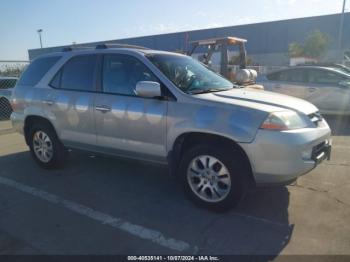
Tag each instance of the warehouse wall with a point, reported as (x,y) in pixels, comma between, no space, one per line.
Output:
(268,40)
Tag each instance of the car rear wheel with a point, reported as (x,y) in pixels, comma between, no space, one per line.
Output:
(213,177)
(46,149)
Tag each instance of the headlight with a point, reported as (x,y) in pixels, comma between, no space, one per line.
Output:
(284,120)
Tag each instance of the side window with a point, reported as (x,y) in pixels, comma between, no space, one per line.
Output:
(77,74)
(37,69)
(296,75)
(273,76)
(323,77)
(278,76)
(121,74)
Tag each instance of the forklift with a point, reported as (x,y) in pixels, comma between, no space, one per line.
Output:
(244,77)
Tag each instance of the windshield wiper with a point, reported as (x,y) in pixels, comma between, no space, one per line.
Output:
(204,91)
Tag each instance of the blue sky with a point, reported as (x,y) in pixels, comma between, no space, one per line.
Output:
(67,21)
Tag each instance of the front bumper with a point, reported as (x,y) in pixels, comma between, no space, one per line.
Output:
(279,157)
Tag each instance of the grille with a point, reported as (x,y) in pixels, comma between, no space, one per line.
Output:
(318,149)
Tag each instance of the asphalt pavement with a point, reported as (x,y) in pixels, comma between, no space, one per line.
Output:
(100,205)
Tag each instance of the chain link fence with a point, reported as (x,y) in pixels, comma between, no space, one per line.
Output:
(9,73)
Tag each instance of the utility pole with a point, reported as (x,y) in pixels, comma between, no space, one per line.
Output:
(341,26)
(39,32)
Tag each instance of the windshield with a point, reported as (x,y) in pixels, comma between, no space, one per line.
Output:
(188,74)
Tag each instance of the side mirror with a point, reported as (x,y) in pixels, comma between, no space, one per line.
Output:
(344,83)
(148,89)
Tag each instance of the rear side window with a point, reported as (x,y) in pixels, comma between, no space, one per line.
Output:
(37,69)
(324,77)
(296,75)
(77,74)
(277,76)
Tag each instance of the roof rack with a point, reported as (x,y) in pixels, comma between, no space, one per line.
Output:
(71,48)
(106,46)
(102,46)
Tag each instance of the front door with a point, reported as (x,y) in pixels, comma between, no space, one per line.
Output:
(127,124)
(290,82)
(326,93)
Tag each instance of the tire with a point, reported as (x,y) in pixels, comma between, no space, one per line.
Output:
(233,172)
(5,109)
(43,136)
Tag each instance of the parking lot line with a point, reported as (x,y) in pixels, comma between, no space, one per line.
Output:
(118,223)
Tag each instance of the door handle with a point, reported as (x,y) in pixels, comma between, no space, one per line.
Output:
(49,102)
(312,89)
(103,109)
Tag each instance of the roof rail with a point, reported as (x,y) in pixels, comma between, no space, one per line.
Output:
(106,46)
(66,49)
(102,46)
(71,48)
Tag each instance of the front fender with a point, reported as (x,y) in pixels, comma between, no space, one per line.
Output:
(236,123)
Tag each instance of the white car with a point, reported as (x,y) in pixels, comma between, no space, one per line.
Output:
(325,87)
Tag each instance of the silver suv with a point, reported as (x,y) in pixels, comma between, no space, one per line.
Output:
(218,138)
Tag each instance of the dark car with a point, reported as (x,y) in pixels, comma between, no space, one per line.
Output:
(6,86)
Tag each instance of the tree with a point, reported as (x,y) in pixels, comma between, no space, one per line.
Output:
(295,50)
(315,46)
(12,70)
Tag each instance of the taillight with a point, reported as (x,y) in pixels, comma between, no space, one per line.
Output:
(15,105)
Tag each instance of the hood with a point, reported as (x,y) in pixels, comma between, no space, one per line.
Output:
(261,100)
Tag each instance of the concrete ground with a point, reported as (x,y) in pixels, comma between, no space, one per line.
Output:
(5,126)
(99,205)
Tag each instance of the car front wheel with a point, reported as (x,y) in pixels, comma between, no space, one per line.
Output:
(213,177)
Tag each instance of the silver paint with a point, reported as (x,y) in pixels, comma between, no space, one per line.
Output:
(119,109)
(73,118)
(29,96)
(135,110)
(155,113)
(82,104)
(62,102)
(147,128)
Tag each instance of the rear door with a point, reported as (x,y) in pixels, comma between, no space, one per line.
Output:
(325,92)
(71,100)
(127,124)
(289,82)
